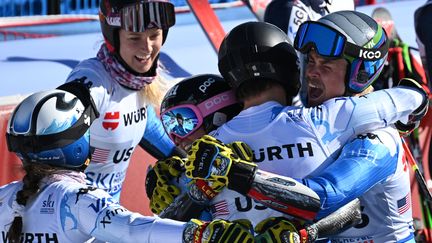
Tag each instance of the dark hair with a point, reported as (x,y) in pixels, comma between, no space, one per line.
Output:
(31,180)
(251,88)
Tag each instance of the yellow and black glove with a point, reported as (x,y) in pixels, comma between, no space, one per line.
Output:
(197,231)
(217,164)
(159,187)
(405,128)
(276,230)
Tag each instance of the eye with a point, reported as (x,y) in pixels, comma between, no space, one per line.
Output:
(134,38)
(328,68)
(155,35)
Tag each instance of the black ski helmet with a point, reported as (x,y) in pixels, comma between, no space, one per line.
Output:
(200,88)
(135,16)
(256,51)
(365,49)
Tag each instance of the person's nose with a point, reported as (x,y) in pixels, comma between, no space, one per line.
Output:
(146,45)
(312,71)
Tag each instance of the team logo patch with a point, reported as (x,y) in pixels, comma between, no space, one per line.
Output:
(47,206)
(111,120)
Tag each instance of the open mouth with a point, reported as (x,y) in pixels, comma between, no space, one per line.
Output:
(314,90)
(142,59)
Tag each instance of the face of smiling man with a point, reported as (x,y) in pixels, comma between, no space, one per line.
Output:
(325,78)
(140,49)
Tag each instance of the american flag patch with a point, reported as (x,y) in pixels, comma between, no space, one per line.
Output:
(219,209)
(100,155)
(404,204)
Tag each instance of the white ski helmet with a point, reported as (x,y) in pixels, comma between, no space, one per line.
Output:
(52,127)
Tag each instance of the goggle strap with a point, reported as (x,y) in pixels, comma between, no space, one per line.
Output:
(38,143)
(366,54)
(145,15)
(217,102)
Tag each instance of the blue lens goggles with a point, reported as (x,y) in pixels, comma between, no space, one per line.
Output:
(327,42)
(330,43)
(181,121)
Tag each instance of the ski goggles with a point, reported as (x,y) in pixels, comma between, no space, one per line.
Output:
(140,16)
(330,43)
(182,120)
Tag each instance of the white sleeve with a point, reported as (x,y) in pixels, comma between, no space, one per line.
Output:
(369,112)
(98,79)
(100,216)
(384,107)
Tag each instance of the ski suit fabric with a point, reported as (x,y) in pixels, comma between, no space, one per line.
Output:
(298,142)
(125,119)
(68,211)
(289,15)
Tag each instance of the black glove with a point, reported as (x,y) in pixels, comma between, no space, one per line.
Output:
(218,231)
(159,187)
(416,116)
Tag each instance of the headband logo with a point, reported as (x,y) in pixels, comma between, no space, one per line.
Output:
(369,54)
(216,101)
(113,21)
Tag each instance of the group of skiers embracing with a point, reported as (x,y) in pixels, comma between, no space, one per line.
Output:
(237,161)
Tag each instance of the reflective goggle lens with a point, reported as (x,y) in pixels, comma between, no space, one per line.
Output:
(327,41)
(141,16)
(180,121)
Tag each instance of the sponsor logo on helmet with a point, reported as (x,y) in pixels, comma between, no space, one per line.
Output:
(370,44)
(172,91)
(203,87)
(87,120)
(364,54)
(216,101)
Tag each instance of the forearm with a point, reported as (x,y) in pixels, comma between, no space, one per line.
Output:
(95,213)
(119,225)
(381,108)
(360,166)
(155,141)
